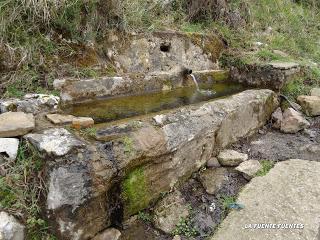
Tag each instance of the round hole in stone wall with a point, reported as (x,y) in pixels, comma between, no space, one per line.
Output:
(165,47)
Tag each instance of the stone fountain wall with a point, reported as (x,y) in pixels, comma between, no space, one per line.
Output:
(148,63)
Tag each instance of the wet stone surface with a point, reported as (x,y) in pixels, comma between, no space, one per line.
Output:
(139,229)
(208,210)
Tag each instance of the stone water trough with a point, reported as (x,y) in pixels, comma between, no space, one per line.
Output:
(99,183)
(126,165)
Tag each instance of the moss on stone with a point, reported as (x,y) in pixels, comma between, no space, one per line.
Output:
(128,145)
(221,75)
(211,45)
(167,85)
(135,192)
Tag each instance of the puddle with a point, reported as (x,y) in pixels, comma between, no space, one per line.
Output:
(123,107)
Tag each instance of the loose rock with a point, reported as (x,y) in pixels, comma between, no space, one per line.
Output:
(315,92)
(176,237)
(31,103)
(160,119)
(82,122)
(10,228)
(8,105)
(109,234)
(169,211)
(213,163)
(231,158)
(60,119)
(214,179)
(293,121)
(276,118)
(56,141)
(9,147)
(249,168)
(13,124)
(286,195)
(310,105)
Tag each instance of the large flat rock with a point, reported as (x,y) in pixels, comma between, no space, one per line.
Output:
(288,194)
(55,141)
(13,124)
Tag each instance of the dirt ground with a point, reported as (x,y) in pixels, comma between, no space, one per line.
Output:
(270,144)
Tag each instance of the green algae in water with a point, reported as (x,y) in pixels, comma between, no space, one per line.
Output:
(123,107)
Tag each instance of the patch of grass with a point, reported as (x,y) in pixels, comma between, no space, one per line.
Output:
(268,56)
(135,191)
(302,85)
(185,228)
(26,80)
(194,27)
(294,88)
(21,188)
(88,132)
(226,201)
(286,25)
(144,216)
(266,167)
(128,145)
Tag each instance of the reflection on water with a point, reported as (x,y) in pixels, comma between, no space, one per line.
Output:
(129,106)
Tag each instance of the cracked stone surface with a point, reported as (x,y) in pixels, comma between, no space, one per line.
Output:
(56,141)
(67,186)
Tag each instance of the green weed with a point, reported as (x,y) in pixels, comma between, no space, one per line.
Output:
(144,216)
(266,167)
(21,187)
(185,228)
(226,201)
(88,132)
(128,145)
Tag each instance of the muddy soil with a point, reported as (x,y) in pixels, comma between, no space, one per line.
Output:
(207,211)
(271,144)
